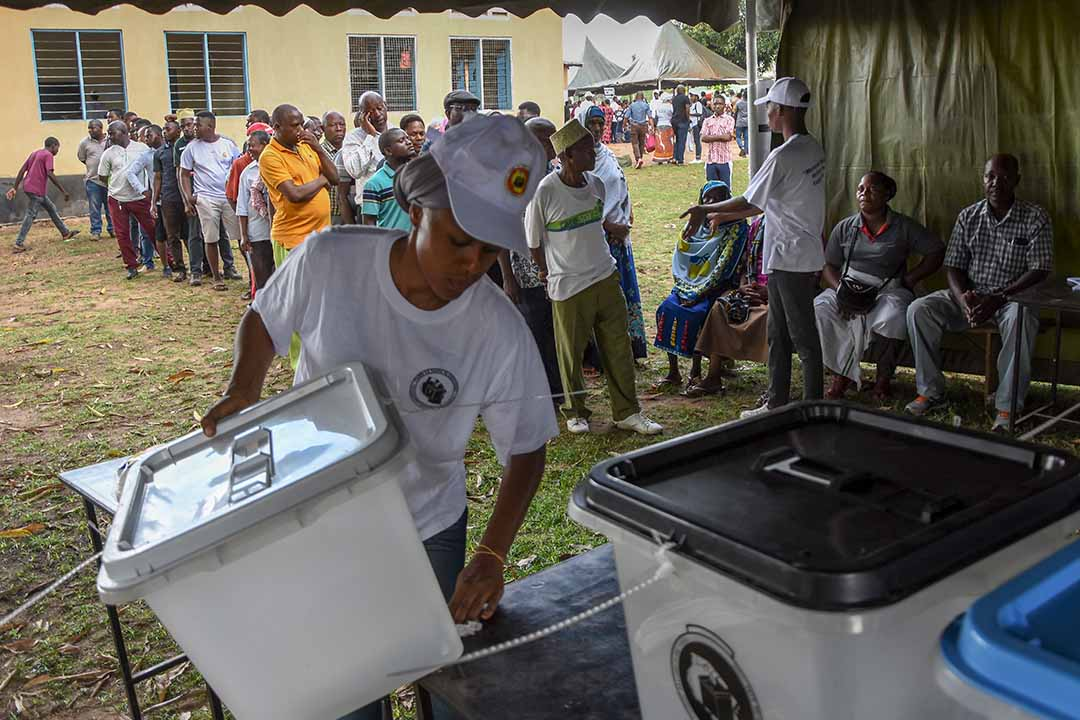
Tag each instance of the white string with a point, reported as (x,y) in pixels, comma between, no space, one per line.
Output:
(53,587)
(665,569)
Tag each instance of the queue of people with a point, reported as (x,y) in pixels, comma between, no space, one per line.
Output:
(665,126)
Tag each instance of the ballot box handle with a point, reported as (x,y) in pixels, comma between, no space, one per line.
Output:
(252,467)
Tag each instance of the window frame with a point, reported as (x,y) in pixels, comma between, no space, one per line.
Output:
(481,38)
(206,67)
(382,67)
(79,67)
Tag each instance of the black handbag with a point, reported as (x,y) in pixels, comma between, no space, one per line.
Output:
(858,298)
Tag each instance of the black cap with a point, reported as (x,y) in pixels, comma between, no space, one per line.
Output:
(460,96)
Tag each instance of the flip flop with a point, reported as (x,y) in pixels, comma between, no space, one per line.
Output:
(665,383)
(220,286)
(698,391)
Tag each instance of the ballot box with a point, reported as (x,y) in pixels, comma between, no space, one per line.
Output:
(819,553)
(281,555)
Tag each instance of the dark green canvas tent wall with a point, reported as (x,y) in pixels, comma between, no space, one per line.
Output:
(926,90)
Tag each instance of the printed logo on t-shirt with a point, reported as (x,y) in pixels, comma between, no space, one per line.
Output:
(434,388)
(587,217)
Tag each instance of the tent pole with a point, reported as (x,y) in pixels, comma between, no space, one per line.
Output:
(756,150)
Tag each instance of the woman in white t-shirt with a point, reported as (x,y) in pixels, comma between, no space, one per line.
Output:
(446,346)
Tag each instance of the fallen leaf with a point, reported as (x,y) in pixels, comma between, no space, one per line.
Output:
(143,359)
(70,650)
(14,405)
(24,531)
(20,708)
(37,680)
(19,646)
(195,414)
(217,349)
(526,562)
(46,341)
(182,375)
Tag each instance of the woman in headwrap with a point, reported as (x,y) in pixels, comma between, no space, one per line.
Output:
(440,342)
(735,328)
(618,219)
(704,266)
(868,252)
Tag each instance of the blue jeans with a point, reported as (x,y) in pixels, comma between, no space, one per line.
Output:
(97,197)
(742,138)
(36,203)
(718,171)
(142,244)
(681,128)
(446,553)
(697,140)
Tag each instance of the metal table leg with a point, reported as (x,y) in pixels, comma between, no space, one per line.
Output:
(114,622)
(1057,359)
(1016,368)
(216,711)
(423,704)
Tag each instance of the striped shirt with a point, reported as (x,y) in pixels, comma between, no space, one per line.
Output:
(380,203)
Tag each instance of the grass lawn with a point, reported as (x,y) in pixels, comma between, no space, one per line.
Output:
(94,367)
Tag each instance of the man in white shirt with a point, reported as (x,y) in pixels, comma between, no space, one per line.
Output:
(204,171)
(360,155)
(254,213)
(790,189)
(565,228)
(126,201)
(445,345)
(583,109)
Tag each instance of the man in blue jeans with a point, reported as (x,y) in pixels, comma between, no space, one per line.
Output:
(742,124)
(33,175)
(680,121)
(97,194)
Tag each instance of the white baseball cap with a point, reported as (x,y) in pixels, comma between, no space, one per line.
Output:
(788,91)
(492,167)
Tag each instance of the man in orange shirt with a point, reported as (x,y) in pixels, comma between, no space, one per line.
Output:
(298,173)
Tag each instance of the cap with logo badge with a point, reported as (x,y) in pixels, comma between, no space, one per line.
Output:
(789,91)
(492,166)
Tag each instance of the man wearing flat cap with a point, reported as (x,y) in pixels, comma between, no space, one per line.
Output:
(444,344)
(459,106)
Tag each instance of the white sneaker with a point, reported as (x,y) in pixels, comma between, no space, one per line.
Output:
(577,425)
(640,424)
(746,414)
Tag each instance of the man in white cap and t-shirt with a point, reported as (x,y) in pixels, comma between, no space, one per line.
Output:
(445,344)
(790,189)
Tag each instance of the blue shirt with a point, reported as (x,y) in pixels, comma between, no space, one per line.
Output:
(639,111)
(379,201)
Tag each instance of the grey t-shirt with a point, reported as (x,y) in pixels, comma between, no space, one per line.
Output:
(89,153)
(740,114)
(883,255)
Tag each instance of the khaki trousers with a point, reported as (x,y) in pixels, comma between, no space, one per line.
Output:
(601,310)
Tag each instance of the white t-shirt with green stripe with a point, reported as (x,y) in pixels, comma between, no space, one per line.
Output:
(567,223)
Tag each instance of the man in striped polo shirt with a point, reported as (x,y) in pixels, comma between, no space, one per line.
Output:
(380,206)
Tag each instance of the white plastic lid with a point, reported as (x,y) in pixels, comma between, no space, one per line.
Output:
(184,497)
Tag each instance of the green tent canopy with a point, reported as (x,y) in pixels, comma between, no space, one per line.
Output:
(596,70)
(676,58)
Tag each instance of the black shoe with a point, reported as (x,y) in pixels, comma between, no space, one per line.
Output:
(231,274)
(179,276)
(132,273)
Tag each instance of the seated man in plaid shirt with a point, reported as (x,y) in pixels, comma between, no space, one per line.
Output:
(999,246)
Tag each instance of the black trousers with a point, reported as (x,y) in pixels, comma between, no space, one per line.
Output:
(536,309)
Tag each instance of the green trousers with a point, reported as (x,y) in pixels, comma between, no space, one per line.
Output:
(601,310)
(280,253)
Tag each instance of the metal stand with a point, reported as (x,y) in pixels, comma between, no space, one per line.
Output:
(130,680)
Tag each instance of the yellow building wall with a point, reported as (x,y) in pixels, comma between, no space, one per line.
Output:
(301,58)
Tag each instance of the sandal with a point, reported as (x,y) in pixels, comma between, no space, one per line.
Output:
(220,286)
(699,391)
(665,382)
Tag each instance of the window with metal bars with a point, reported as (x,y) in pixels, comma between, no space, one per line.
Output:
(208,71)
(482,66)
(80,73)
(385,64)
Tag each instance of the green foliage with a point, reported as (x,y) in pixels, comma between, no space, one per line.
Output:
(731,43)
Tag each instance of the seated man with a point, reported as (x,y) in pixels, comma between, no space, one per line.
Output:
(870,249)
(999,247)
